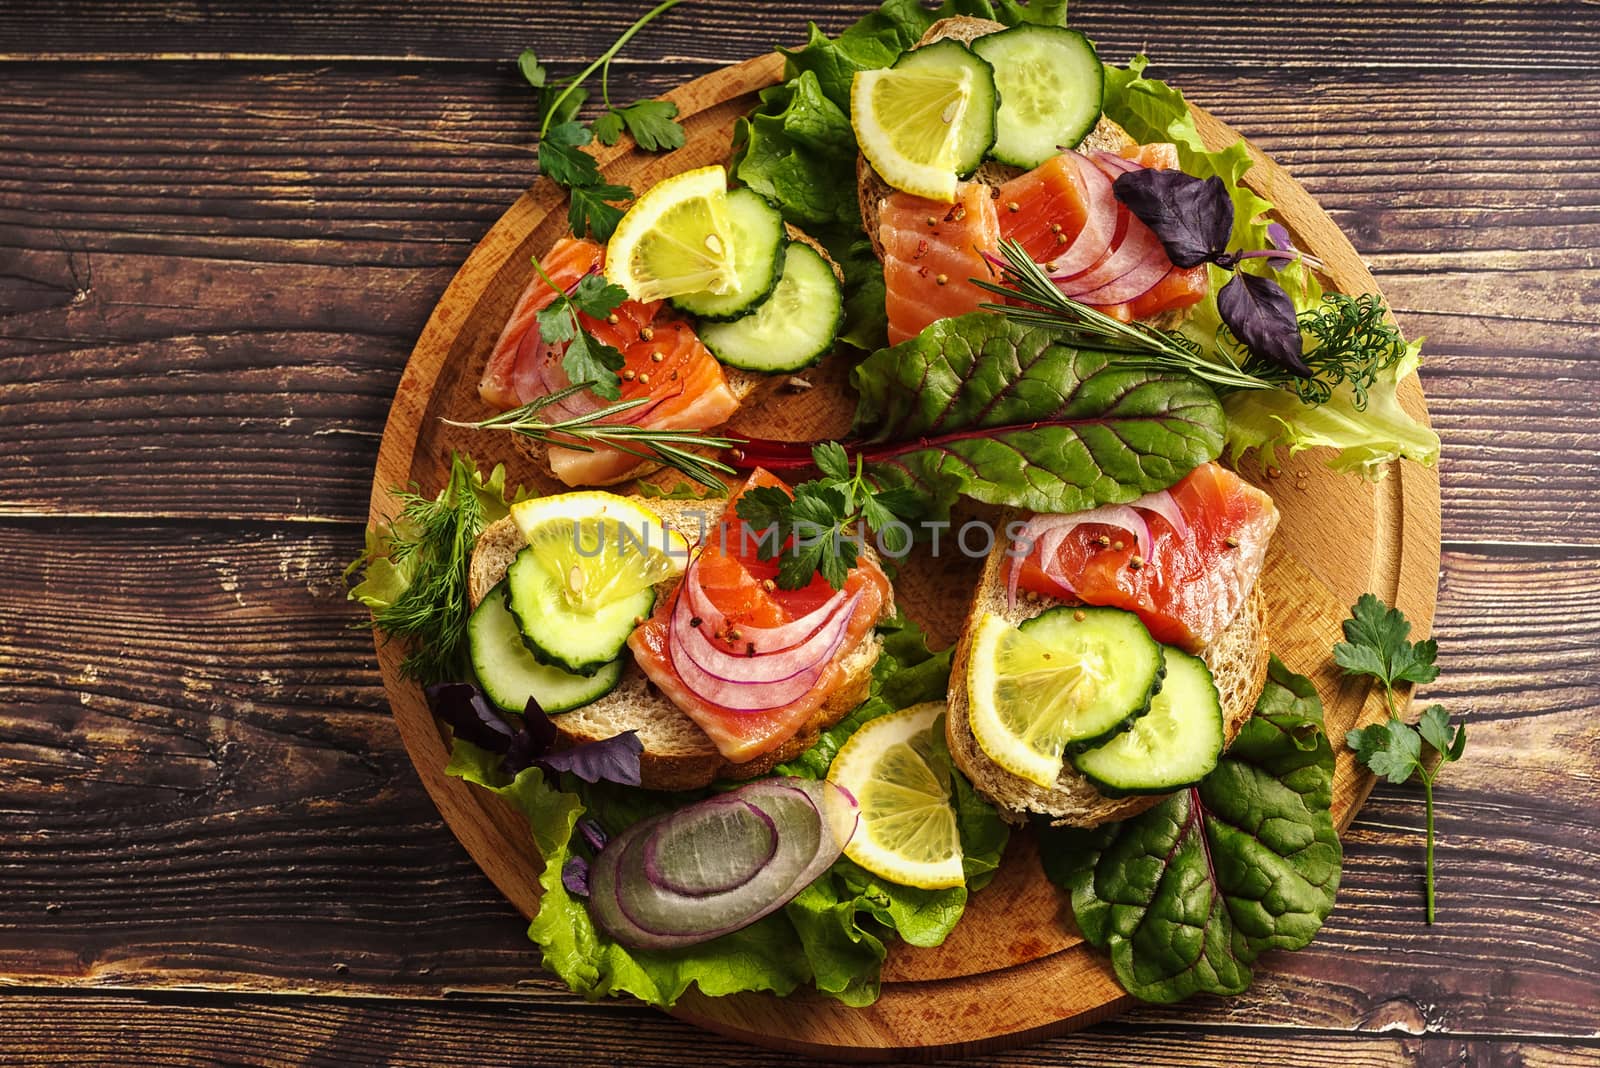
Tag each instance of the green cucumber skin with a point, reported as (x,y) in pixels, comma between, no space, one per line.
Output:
(688,303)
(553,659)
(1126,789)
(994,47)
(1141,707)
(969,165)
(732,357)
(495,690)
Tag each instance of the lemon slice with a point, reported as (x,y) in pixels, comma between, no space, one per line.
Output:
(676,239)
(907,832)
(927,120)
(587,576)
(1069,678)
(599,547)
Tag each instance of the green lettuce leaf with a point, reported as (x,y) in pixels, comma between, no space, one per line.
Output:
(1189,893)
(878,39)
(759,957)
(797,150)
(1366,438)
(834,934)
(983,406)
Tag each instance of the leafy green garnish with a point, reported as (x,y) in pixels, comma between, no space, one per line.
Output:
(819,523)
(653,124)
(414,568)
(587,359)
(1189,893)
(1377,644)
(833,934)
(1361,418)
(1003,413)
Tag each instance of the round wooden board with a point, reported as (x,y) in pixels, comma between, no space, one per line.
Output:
(1015,969)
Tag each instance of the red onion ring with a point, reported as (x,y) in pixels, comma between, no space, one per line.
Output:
(759,682)
(1112,164)
(765,639)
(1047,532)
(1136,283)
(1138,243)
(1099,222)
(1163,505)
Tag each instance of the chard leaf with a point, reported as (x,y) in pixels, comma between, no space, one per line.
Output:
(1187,894)
(982,406)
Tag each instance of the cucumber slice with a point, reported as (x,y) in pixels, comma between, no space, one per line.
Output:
(758,239)
(572,639)
(510,675)
(795,328)
(1176,744)
(1051,86)
(975,132)
(1066,680)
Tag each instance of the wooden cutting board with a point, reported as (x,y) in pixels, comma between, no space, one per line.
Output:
(1015,969)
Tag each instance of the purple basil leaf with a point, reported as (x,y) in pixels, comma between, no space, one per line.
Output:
(1279,236)
(614,759)
(1261,316)
(575,876)
(471,716)
(1193,218)
(592,833)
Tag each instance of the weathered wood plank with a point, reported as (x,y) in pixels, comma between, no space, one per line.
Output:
(1496,35)
(226,237)
(204,788)
(44,1029)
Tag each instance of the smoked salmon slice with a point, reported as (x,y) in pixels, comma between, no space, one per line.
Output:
(930,251)
(663,362)
(741,586)
(1196,575)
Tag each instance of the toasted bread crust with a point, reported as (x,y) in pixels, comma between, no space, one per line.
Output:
(678,755)
(1238,661)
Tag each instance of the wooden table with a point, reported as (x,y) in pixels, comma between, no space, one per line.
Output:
(221,229)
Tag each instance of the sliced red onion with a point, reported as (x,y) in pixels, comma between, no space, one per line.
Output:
(1099,222)
(1136,283)
(756,682)
(1112,164)
(1163,505)
(1047,532)
(765,639)
(728,842)
(813,822)
(1138,243)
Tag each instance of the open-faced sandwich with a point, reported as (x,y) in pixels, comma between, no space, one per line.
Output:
(743,766)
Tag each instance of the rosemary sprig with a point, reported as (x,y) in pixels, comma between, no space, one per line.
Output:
(1081,324)
(591,431)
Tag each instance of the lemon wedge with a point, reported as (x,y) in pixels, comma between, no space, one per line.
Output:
(907,833)
(676,239)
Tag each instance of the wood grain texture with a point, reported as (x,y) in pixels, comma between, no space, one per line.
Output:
(169,816)
(225,238)
(223,707)
(1281,34)
(167,1032)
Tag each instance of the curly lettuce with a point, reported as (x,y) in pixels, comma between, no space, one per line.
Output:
(833,935)
(1367,432)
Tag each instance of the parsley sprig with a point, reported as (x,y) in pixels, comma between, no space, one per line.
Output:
(820,523)
(1377,645)
(414,568)
(587,358)
(653,124)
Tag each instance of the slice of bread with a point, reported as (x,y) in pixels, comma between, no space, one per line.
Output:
(678,755)
(1237,659)
(873,190)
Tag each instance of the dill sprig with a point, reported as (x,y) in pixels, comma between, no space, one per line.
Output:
(415,570)
(1355,341)
(1355,344)
(591,431)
